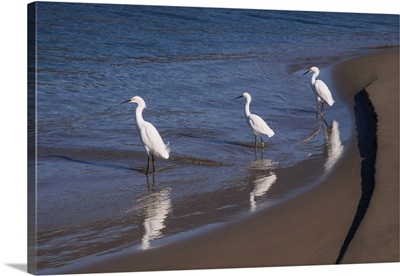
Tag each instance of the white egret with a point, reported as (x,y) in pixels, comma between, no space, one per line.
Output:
(321,91)
(149,135)
(255,122)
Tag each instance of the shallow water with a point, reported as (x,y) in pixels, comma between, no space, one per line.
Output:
(188,64)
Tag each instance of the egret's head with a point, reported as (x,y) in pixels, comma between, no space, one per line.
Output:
(312,69)
(136,99)
(245,95)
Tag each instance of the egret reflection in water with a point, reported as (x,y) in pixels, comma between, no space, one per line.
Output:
(333,144)
(261,186)
(157,206)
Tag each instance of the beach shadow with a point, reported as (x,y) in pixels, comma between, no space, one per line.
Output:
(366,124)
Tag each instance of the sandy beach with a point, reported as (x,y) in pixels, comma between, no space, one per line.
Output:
(310,228)
(377,239)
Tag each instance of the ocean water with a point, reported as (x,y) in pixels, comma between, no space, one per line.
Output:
(188,64)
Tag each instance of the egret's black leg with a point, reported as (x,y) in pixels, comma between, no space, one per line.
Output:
(262,142)
(148,164)
(154,163)
(316,114)
(320,112)
(255,141)
(150,186)
(322,115)
(323,119)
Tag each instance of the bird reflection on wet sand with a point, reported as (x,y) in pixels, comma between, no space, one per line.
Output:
(333,144)
(261,186)
(157,206)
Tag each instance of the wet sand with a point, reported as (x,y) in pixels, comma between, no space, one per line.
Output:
(310,228)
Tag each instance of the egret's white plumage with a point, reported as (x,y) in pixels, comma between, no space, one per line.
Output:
(149,135)
(255,122)
(320,90)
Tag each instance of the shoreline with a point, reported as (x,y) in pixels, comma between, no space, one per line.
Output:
(300,231)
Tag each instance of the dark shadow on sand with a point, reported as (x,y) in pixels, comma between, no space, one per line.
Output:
(366,123)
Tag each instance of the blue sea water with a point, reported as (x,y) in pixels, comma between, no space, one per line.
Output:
(188,64)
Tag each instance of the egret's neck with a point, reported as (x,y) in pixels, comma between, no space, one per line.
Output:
(247,108)
(139,117)
(314,78)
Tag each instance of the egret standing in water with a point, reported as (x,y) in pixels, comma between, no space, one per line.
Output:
(255,122)
(321,90)
(149,135)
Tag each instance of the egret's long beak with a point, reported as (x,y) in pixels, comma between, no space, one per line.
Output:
(307,72)
(127,101)
(241,96)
